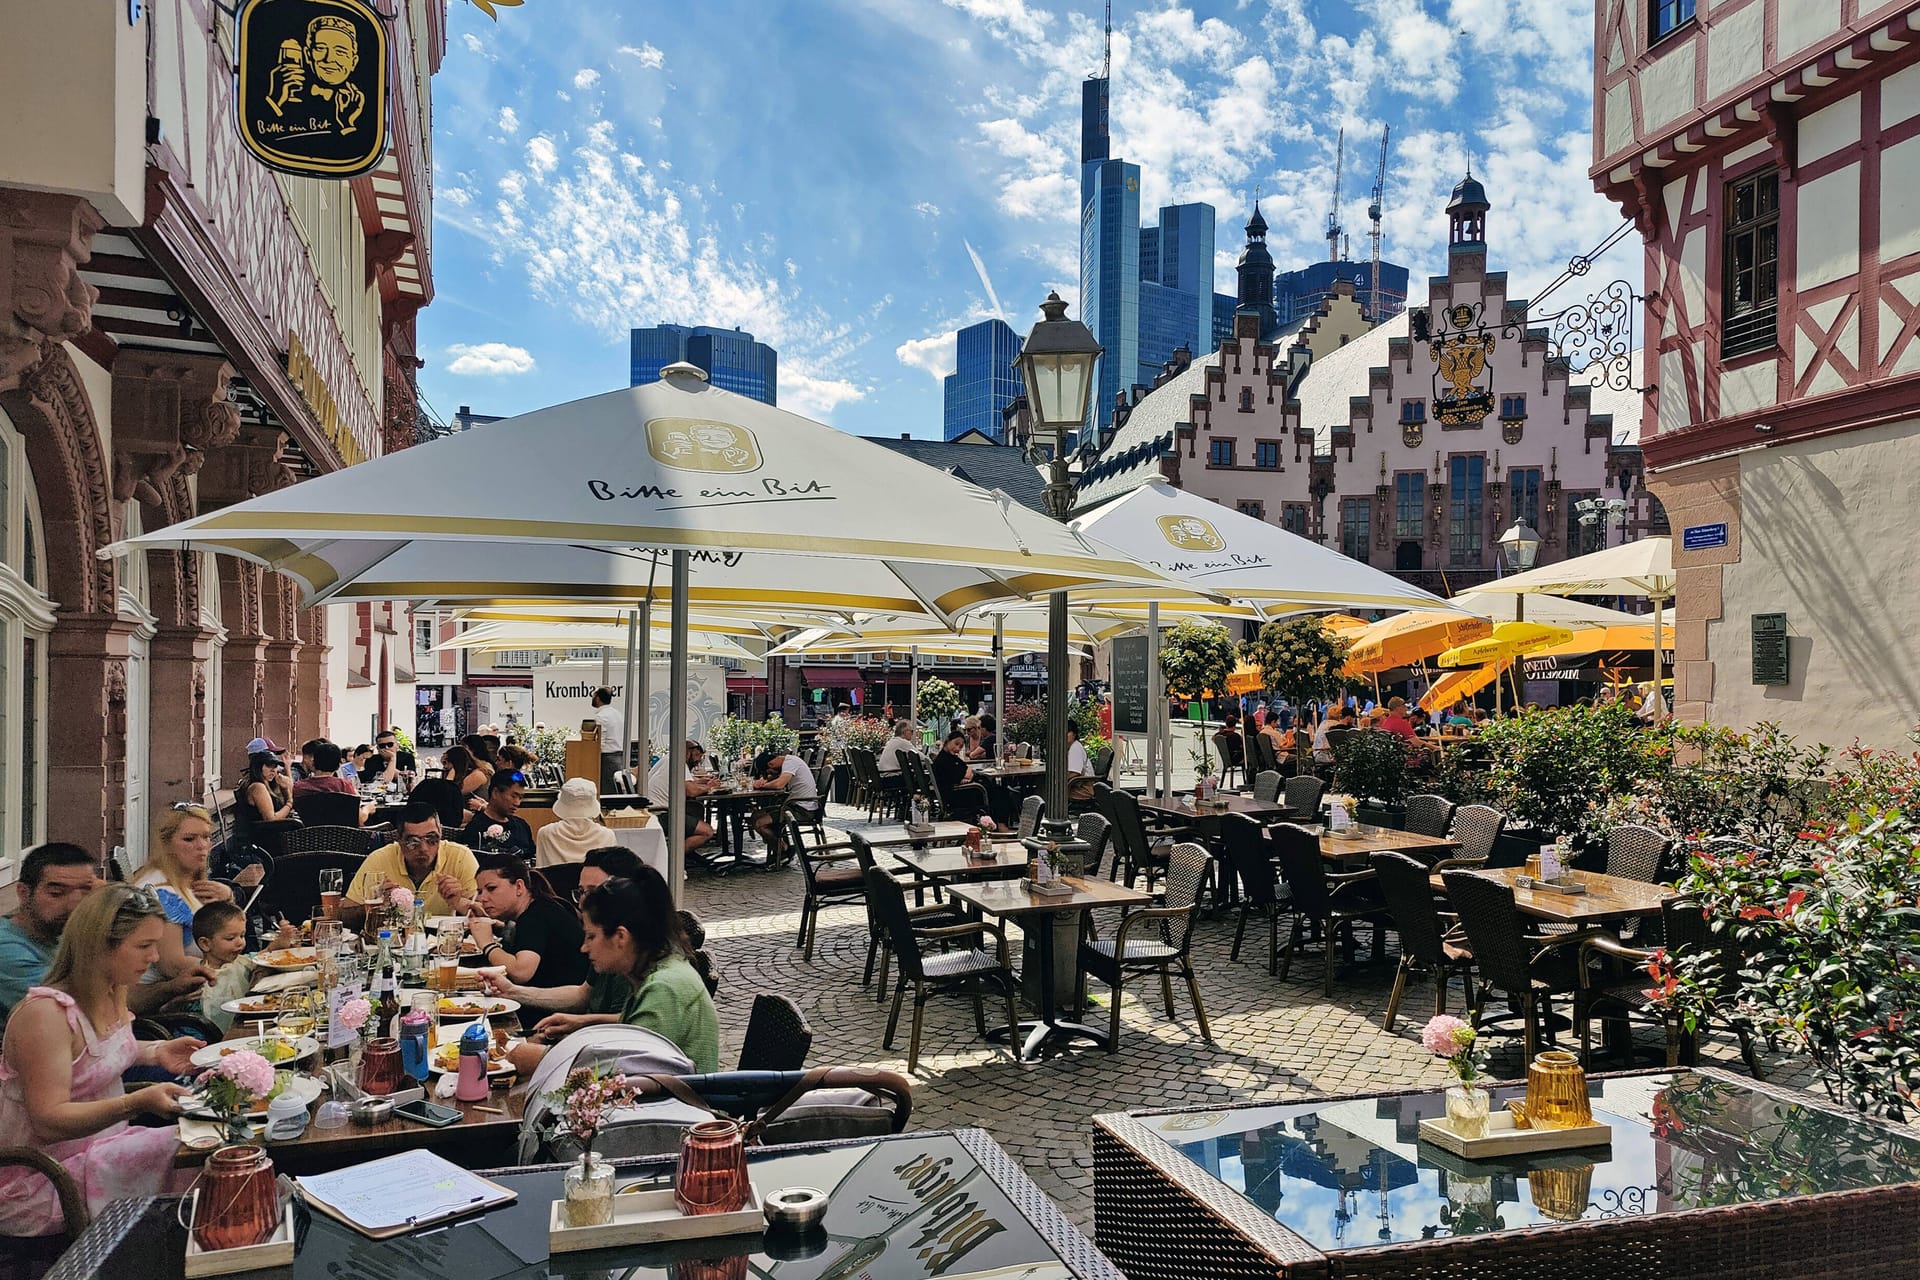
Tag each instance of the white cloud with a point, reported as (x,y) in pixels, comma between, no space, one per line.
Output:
(932,355)
(1009,17)
(541,156)
(928,208)
(585,78)
(455,195)
(815,397)
(645,54)
(475,45)
(509,121)
(491,359)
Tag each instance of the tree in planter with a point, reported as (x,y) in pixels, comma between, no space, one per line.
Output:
(1300,659)
(1371,765)
(1196,657)
(939,701)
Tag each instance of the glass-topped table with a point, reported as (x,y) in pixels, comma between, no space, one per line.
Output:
(913,1205)
(1346,1184)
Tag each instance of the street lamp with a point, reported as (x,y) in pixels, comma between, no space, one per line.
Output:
(1521,544)
(1056,368)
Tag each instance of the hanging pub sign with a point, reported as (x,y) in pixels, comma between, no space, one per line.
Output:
(1461,349)
(312,93)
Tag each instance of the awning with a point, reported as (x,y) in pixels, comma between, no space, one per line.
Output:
(833,677)
(501,682)
(746,684)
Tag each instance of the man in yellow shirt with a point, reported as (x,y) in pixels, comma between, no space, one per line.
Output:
(440,872)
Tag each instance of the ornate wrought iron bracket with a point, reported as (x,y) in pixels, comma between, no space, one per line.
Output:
(1596,337)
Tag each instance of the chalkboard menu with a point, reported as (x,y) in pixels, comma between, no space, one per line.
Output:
(1130,684)
(1770,663)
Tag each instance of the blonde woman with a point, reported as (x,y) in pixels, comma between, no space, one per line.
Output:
(176,871)
(67,1045)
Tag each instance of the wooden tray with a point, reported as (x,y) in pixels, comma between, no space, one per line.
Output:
(1569,890)
(275,1251)
(1051,889)
(641,1217)
(1503,1139)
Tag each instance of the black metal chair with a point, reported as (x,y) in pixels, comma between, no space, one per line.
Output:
(1425,947)
(34,1256)
(327,809)
(834,876)
(1260,754)
(1332,902)
(1303,792)
(1103,764)
(778,1037)
(564,879)
(1233,755)
(1476,827)
(1096,833)
(293,887)
(1267,785)
(975,972)
(359,841)
(1249,854)
(1526,968)
(445,797)
(1112,960)
(1429,815)
(1137,847)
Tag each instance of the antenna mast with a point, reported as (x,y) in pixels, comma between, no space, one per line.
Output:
(1333,215)
(1373,212)
(1106,63)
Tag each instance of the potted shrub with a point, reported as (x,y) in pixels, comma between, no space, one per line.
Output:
(1371,766)
(1300,659)
(939,703)
(1196,658)
(1544,767)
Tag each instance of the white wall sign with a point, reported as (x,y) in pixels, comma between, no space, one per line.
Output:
(563,696)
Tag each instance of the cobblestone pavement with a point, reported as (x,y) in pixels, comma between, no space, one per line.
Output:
(1272,1039)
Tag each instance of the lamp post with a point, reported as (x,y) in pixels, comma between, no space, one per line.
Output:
(1056,367)
(1520,545)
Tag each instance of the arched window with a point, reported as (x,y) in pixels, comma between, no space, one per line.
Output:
(1246,399)
(26,620)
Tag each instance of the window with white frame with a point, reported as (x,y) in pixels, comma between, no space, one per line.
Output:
(26,621)
(425,631)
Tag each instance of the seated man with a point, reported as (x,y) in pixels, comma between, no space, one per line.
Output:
(505,790)
(440,872)
(1396,721)
(660,785)
(542,934)
(966,796)
(323,773)
(1079,772)
(602,997)
(901,742)
(784,771)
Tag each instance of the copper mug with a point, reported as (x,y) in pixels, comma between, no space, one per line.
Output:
(712,1175)
(238,1200)
(381,1066)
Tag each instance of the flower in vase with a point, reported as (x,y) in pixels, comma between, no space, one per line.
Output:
(585,1099)
(353,1014)
(1448,1037)
(401,899)
(232,1085)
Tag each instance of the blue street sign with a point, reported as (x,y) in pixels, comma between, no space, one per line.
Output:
(1700,537)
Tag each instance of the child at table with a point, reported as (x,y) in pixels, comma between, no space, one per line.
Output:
(220,931)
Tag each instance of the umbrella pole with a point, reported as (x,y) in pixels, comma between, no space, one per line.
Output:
(913,685)
(626,688)
(677,731)
(1659,695)
(1154,697)
(643,690)
(606,664)
(999,672)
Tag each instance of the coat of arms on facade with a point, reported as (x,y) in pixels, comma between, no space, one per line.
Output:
(1462,350)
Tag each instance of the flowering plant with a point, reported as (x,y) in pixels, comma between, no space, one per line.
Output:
(232,1085)
(1448,1037)
(939,700)
(401,899)
(353,1014)
(585,1099)
(869,733)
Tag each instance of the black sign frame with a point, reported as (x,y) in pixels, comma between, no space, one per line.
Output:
(311,89)
(1772,650)
(1130,684)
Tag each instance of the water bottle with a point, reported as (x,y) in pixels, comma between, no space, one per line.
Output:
(472,1086)
(414,1047)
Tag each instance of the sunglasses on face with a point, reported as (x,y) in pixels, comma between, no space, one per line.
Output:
(384,746)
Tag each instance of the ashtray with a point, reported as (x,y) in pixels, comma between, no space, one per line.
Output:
(796,1208)
(371,1111)
(1523,882)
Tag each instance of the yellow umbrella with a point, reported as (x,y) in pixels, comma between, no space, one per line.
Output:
(1509,640)
(1408,637)
(1344,624)
(1246,678)
(1456,685)
(1606,640)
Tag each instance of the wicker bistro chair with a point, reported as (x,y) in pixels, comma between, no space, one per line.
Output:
(1686,930)
(1103,764)
(1303,792)
(1331,901)
(1266,786)
(358,841)
(778,1037)
(293,887)
(937,914)
(1429,815)
(975,973)
(835,876)
(325,808)
(1112,960)
(1233,755)
(1032,809)
(1476,827)
(22,1256)
(1249,854)
(1097,833)
(1426,947)
(1261,757)
(1528,969)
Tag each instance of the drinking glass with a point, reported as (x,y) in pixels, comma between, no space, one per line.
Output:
(446,967)
(333,882)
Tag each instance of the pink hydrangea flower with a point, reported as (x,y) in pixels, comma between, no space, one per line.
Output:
(1446,1035)
(249,1072)
(353,1014)
(401,899)
(496,832)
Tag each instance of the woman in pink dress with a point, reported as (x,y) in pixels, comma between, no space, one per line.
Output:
(66,1046)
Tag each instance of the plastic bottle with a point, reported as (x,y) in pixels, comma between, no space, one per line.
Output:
(414,1043)
(472,1086)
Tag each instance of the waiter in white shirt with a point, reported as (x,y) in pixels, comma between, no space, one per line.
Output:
(613,739)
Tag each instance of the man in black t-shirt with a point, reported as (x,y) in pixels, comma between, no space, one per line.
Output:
(542,943)
(505,790)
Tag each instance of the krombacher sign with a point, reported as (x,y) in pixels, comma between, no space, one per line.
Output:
(312,86)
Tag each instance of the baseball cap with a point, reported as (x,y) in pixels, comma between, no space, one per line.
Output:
(262,744)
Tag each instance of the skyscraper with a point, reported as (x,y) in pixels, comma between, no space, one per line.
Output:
(731,358)
(1298,294)
(1176,286)
(983,381)
(1110,274)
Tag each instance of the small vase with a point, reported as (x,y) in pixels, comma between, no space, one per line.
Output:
(1557,1091)
(238,1200)
(588,1188)
(236,1129)
(1467,1108)
(712,1175)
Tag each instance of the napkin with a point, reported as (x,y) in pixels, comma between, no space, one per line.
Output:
(204,1133)
(286,981)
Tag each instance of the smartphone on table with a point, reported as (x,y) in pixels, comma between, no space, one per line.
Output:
(428,1113)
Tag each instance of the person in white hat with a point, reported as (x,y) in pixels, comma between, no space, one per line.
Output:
(576,828)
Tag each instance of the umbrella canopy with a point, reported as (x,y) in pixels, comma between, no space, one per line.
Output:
(1509,640)
(1637,637)
(500,637)
(1456,685)
(1549,609)
(1409,637)
(1246,678)
(1213,548)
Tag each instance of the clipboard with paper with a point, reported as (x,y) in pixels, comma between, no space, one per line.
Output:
(401,1193)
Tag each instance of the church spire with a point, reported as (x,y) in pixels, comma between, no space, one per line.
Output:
(1255,270)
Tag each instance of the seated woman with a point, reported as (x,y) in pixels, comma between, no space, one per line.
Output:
(66,1046)
(632,931)
(176,871)
(460,766)
(527,930)
(575,829)
(264,795)
(965,795)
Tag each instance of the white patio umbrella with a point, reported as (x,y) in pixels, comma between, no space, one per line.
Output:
(501,637)
(1642,568)
(675,468)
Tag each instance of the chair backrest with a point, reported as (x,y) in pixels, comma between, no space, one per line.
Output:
(1406,885)
(564,879)
(1233,751)
(887,900)
(294,887)
(1476,827)
(1095,832)
(1634,852)
(1250,855)
(1026,751)
(1303,792)
(1494,927)
(1297,849)
(1187,865)
(355,840)
(444,795)
(625,783)
(1030,811)
(548,776)
(1129,831)
(1429,815)
(327,808)
(778,1036)
(1260,753)
(1103,762)
(1267,784)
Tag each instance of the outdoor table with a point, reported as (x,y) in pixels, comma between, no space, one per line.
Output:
(909,1206)
(729,808)
(1607,897)
(1018,773)
(1353,843)
(896,834)
(1709,1175)
(1205,820)
(1012,900)
(998,863)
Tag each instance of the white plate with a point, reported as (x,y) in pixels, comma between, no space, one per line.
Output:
(433,1062)
(250,1015)
(491,1006)
(304,1047)
(287,959)
(306,1088)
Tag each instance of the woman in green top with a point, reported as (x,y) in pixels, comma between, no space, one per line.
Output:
(632,931)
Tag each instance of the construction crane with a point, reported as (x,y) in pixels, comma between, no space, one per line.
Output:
(1333,214)
(1373,213)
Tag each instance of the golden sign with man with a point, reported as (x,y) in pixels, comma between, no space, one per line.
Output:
(313,86)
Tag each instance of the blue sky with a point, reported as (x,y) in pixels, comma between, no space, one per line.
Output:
(852,179)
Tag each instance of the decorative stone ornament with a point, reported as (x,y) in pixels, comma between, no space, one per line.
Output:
(312,86)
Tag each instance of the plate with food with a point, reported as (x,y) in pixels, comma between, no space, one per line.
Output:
(462,1008)
(286,959)
(275,1050)
(263,1004)
(446,1057)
